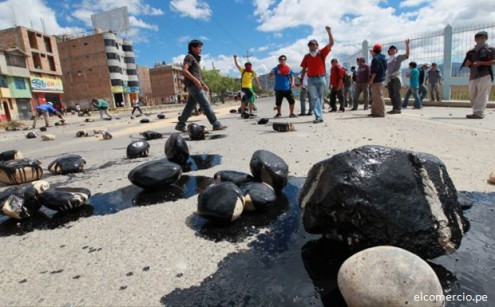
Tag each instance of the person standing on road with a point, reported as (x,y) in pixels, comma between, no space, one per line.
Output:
(304,93)
(247,76)
(361,85)
(480,60)
(102,106)
(136,104)
(378,70)
(284,82)
(393,77)
(337,73)
(434,79)
(196,88)
(45,110)
(313,64)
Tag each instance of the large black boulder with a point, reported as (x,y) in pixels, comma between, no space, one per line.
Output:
(238,178)
(269,168)
(64,198)
(176,149)
(195,131)
(151,135)
(22,201)
(155,174)
(10,155)
(20,171)
(138,149)
(258,196)
(376,195)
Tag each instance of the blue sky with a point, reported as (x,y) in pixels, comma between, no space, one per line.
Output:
(160,29)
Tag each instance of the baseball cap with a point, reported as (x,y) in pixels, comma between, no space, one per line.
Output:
(377,47)
(313,42)
(481,33)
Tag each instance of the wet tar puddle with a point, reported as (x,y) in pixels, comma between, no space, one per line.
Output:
(285,266)
(199,162)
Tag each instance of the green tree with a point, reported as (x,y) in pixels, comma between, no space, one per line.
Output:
(219,85)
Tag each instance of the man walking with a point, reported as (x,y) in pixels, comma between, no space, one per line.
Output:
(284,82)
(361,85)
(196,88)
(313,64)
(393,76)
(102,106)
(336,86)
(434,79)
(480,60)
(378,71)
(247,76)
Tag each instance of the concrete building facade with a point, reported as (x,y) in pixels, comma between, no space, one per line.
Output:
(100,65)
(41,57)
(167,84)
(145,93)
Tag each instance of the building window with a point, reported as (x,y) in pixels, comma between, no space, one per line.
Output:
(3,81)
(110,42)
(19,83)
(36,60)
(113,56)
(117,82)
(129,59)
(115,69)
(15,60)
(51,62)
(33,42)
(48,44)
(133,83)
(127,48)
(132,72)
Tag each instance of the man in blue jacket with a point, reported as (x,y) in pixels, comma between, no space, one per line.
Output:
(44,110)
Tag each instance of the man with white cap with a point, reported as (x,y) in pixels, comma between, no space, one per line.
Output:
(44,110)
(480,60)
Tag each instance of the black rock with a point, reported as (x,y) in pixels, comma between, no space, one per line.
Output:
(67,164)
(20,171)
(222,202)
(245,115)
(151,135)
(195,131)
(155,174)
(283,127)
(263,121)
(10,155)
(160,116)
(144,121)
(233,111)
(31,135)
(89,120)
(376,195)
(43,129)
(138,149)
(258,196)
(176,149)
(22,201)
(237,178)
(269,168)
(64,198)
(81,133)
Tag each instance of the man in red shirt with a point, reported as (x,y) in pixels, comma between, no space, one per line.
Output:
(313,64)
(336,86)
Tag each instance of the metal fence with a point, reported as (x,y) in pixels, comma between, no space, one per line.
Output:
(446,48)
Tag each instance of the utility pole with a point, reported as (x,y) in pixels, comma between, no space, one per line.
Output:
(247,55)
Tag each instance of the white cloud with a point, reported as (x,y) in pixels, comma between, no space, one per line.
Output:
(196,9)
(412,3)
(32,14)
(138,23)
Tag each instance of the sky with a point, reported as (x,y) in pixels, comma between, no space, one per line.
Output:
(259,29)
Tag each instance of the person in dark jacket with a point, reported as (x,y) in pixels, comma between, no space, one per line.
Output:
(378,70)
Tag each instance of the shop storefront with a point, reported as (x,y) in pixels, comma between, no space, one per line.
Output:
(46,89)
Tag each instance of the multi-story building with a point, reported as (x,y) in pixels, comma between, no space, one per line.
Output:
(144,83)
(43,65)
(100,65)
(15,92)
(167,83)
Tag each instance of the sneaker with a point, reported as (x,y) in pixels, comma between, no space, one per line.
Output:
(180,128)
(309,114)
(474,116)
(292,115)
(317,121)
(277,115)
(332,110)
(341,110)
(353,109)
(301,114)
(219,127)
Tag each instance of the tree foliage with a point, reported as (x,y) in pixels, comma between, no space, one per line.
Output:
(219,85)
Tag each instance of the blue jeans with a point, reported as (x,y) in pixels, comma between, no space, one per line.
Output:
(421,92)
(316,88)
(302,98)
(197,95)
